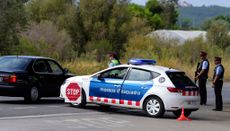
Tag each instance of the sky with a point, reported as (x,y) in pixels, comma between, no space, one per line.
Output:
(225,3)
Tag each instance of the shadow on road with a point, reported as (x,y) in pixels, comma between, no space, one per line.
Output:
(40,102)
(123,111)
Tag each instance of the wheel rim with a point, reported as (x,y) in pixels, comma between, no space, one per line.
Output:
(34,94)
(153,107)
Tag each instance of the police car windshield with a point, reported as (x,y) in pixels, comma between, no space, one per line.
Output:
(179,79)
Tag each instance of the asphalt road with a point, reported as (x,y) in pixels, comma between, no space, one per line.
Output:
(53,115)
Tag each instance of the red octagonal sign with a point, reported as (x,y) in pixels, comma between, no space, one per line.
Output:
(73,91)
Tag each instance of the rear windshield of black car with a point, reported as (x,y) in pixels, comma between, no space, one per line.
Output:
(179,79)
(7,63)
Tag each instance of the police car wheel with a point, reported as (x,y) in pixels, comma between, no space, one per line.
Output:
(154,107)
(178,113)
(83,101)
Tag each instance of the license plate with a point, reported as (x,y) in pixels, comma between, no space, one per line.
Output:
(1,79)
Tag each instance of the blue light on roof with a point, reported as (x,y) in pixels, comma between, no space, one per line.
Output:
(138,61)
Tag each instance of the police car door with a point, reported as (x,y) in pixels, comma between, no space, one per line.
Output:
(137,83)
(108,84)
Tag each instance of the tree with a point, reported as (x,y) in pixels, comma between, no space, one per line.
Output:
(222,17)
(75,28)
(154,7)
(186,24)
(46,39)
(105,20)
(170,13)
(12,21)
(207,24)
(159,13)
(218,34)
(39,10)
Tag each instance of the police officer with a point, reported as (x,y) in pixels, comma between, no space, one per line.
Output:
(114,61)
(218,83)
(202,77)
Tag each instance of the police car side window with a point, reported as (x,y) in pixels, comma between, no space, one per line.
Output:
(139,75)
(155,75)
(117,73)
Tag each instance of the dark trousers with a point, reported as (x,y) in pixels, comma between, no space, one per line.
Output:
(203,91)
(218,90)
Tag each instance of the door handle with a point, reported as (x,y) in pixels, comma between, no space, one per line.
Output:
(118,86)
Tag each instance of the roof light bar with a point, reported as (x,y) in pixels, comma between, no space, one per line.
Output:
(138,61)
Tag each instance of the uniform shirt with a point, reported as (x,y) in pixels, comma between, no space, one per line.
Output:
(114,62)
(205,65)
(219,70)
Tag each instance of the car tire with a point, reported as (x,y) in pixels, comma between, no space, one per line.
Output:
(154,107)
(32,95)
(83,101)
(178,113)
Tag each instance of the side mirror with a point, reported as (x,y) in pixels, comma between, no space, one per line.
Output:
(66,71)
(99,77)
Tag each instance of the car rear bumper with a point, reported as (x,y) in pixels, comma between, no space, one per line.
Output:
(9,90)
(177,103)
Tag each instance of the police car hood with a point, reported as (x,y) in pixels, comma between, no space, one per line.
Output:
(78,79)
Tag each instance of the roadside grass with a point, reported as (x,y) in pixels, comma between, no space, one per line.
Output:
(166,53)
(83,67)
(87,67)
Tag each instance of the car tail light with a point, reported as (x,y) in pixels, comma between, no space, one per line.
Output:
(10,79)
(174,90)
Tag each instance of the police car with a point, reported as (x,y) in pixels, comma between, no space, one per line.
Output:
(141,84)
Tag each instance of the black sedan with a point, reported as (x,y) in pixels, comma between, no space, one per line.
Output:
(31,77)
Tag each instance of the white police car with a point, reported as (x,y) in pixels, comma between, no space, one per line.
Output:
(140,84)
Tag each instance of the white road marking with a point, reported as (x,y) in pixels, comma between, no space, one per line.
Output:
(53,106)
(91,122)
(22,108)
(49,115)
(82,123)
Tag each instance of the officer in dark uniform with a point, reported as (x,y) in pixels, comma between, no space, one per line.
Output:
(218,83)
(202,77)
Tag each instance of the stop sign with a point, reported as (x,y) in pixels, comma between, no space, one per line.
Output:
(73,91)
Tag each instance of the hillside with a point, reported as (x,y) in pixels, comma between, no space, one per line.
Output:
(198,15)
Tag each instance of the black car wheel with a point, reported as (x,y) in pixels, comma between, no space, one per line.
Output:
(178,113)
(154,107)
(33,95)
(83,101)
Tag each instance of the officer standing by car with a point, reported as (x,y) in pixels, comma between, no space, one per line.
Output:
(218,83)
(202,77)
(114,61)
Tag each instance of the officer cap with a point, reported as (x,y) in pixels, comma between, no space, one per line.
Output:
(217,58)
(202,53)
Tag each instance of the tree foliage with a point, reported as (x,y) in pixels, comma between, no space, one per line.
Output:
(159,14)
(45,38)
(95,27)
(39,10)
(218,34)
(199,15)
(12,21)
(86,21)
